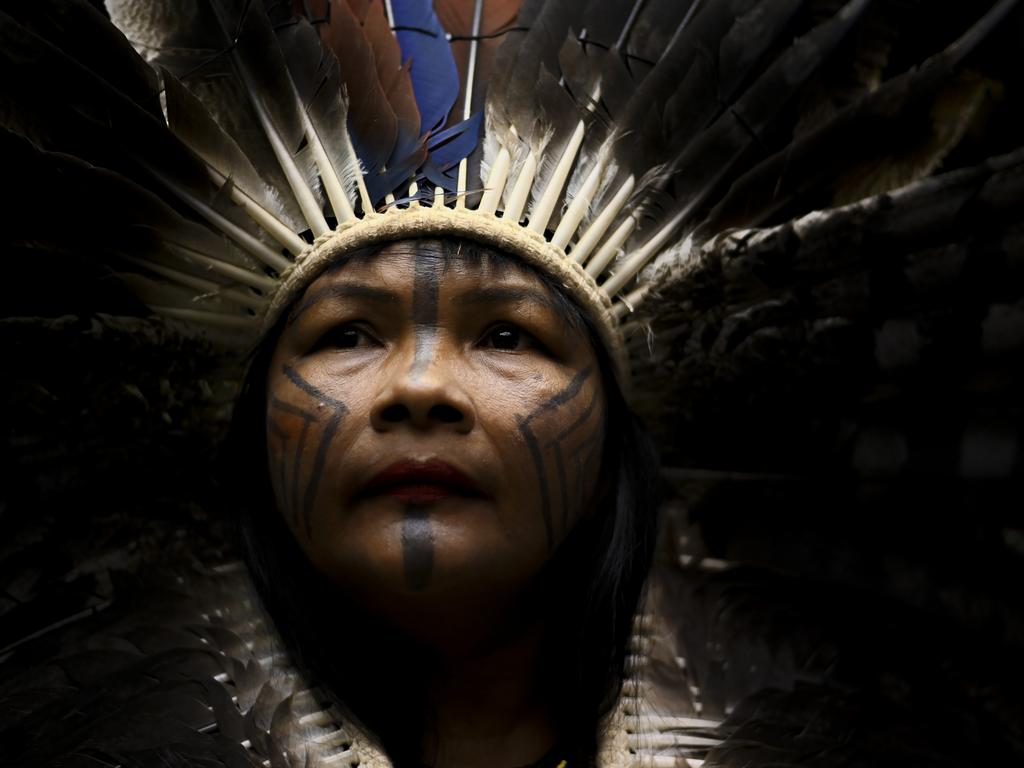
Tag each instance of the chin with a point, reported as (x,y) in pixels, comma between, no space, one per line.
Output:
(431,583)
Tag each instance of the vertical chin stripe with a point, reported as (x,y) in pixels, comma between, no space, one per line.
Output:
(417,547)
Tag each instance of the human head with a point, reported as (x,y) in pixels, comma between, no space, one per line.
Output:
(421,362)
(591,548)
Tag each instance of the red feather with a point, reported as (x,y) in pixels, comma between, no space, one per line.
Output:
(394,78)
(359,8)
(371,118)
(457,18)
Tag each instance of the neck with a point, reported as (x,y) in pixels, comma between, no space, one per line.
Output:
(473,676)
(490,706)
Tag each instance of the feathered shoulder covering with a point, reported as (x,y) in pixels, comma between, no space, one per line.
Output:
(135,658)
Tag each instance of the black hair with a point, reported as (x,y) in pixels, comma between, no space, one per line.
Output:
(592,584)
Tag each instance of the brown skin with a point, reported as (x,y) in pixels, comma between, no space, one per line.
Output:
(404,358)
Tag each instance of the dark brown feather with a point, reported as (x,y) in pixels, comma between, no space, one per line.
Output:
(372,120)
(394,78)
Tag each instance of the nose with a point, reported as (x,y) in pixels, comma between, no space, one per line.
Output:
(423,398)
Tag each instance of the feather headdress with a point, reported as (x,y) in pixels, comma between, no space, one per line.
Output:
(264,138)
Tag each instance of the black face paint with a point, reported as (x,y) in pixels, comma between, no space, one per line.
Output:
(417,547)
(425,291)
(307,418)
(556,446)
(338,411)
(570,392)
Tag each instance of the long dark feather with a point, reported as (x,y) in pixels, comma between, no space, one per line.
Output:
(372,120)
(802,169)
(64,107)
(694,35)
(652,31)
(225,53)
(86,116)
(539,49)
(632,98)
(507,53)
(316,77)
(714,80)
(261,74)
(393,71)
(117,221)
(703,165)
(188,119)
(581,59)
(604,63)
(751,114)
(85,35)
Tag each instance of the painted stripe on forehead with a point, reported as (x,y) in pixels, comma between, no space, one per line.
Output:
(426,289)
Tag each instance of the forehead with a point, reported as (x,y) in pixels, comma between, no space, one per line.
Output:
(445,275)
(401,265)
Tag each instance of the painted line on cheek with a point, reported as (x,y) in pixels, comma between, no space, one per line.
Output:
(571,390)
(296,378)
(300,445)
(277,430)
(542,480)
(318,470)
(579,421)
(425,292)
(320,460)
(417,547)
(556,444)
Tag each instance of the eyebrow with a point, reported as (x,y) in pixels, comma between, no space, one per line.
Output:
(497,293)
(361,291)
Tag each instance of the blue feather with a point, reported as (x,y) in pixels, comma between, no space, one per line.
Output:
(446,180)
(435,78)
(447,149)
(451,145)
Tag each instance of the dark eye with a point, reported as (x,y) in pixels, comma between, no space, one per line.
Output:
(344,337)
(507,336)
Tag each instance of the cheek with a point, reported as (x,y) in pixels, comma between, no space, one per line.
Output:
(305,430)
(555,455)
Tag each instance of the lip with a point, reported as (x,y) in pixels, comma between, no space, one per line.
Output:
(420,482)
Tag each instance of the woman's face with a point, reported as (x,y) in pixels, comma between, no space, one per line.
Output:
(434,427)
